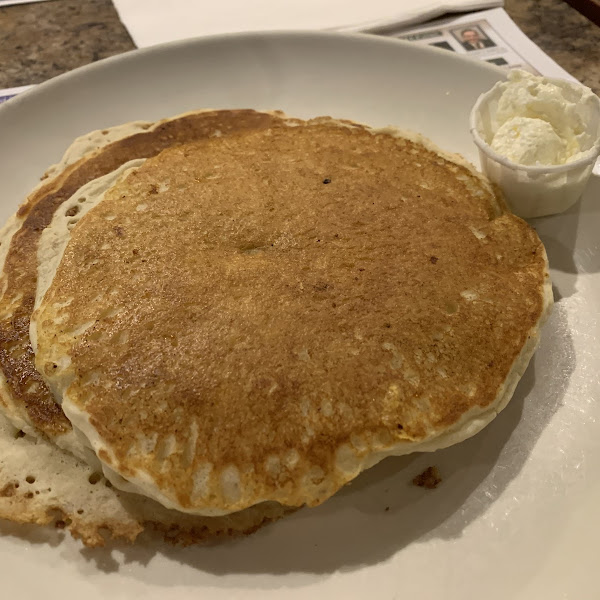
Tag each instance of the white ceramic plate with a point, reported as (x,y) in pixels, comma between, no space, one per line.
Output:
(516,516)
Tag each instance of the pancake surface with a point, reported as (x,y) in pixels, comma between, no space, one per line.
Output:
(261,316)
(24,396)
(40,483)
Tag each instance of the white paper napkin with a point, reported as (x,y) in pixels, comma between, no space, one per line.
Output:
(154,21)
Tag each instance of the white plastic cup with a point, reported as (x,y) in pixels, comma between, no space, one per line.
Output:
(534,191)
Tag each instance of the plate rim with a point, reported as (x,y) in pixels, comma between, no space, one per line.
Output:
(274,34)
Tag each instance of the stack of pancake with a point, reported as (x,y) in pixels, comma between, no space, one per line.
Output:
(210,321)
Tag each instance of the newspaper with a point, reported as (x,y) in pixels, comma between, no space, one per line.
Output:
(151,22)
(9,2)
(488,35)
(8,93)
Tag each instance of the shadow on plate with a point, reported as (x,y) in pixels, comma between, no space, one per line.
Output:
(560,233)
(32,534)
(382,512)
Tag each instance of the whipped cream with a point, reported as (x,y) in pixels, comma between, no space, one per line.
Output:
(530,141)
(541,122)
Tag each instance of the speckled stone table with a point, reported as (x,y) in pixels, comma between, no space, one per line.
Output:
(41,40)
(561,32)
(44,39)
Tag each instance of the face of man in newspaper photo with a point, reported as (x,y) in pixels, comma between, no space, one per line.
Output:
(473,39)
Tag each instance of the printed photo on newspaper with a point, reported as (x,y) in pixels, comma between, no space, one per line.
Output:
(487,35)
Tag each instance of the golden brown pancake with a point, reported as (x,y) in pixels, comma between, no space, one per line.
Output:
(261,316)
(59,487)
(23,392)
(40,483)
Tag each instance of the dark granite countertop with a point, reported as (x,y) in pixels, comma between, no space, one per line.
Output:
(41,40)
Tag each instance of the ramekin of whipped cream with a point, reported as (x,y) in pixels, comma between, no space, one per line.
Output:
(538,139)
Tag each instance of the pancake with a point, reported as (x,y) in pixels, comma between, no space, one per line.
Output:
(14,348)
(24,396)
(41,484)
(261,316)
(31,421)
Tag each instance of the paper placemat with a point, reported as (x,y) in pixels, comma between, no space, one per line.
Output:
(155,21)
